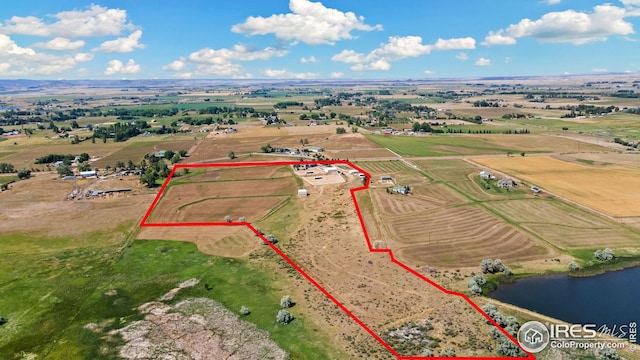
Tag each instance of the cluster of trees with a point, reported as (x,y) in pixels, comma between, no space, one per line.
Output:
(424,127)
(200,121)
(6,168)
(341,130)
(284,104)
(119,131)
(484,103)
(238,111)
(604,255)
(491,267)
(65,158)
(582,110)
(155,170)
(618,140)
(132,113)
(505,346)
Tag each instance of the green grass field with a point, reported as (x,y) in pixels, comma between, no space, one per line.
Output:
(438,145)
(68,278)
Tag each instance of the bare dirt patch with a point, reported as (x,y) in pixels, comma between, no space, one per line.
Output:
(196,328)
(39,204)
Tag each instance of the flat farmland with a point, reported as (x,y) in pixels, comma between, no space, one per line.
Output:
(441,145)
(211,201)
(136,150)
(437,192)
(361,154)
(448,170)
(395,205)
(234,173)
(565,225)
(231,241)
(460,236)
(610,189)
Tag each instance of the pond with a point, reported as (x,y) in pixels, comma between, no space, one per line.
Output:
(609,299)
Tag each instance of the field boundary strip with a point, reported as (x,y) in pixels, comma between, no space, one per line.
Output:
(342,307)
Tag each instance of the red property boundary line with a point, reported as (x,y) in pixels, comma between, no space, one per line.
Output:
(144,223)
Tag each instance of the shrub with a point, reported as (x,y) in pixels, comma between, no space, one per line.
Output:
(573,266)
(286,302)
(604,255)
(227,218)
(284,317)
(479,279)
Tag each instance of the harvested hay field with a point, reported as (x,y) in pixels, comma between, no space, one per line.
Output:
(399,204)
(566,226)
(136,150)
(234,173)
(460,236)
(612,189)
(211,201)
(448,170)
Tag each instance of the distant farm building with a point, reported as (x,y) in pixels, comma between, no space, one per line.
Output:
(404,190)
(314,149)
(303,192)
(386,178)
(507,183)
(86,174)
(330,169)
(485,174)
(160,154)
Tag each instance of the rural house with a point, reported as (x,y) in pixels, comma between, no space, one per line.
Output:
(507,183)
(485,174)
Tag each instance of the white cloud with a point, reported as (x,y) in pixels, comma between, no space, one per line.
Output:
(600,70)
(309,22)
(60,44)
(175,65)
(117,67)
(397,48)
(18,61)
(553,2)
(227,69)
(428,72)
(569,26)
(498,38)
(460,43)
(310,59)
(336,74)
(95,21)
(483,62)
(348,56)
(83,57)
(238,52)
(123,44)
(245,76)
(186,75)
(284,74)
(462,56)
(507,59)
(400,47)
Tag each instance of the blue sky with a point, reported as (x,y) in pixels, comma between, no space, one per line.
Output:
(302,39)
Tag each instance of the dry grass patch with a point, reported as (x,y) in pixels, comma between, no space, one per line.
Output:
(612,190)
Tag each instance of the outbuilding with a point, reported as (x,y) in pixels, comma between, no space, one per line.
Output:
(303,192)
